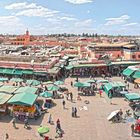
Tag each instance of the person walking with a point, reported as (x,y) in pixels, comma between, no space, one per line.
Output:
(71,84)
(75,112)
(6,136)
(71,96)
(58,126)
(64,103)
(50,119)
(132,129)
(26,123)
(110,97)
(100,93)
(14,122)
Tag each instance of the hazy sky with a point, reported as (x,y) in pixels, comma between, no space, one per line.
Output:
(70,16)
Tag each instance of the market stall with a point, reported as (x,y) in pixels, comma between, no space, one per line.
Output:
(3,99)
(114,88)
(22,105)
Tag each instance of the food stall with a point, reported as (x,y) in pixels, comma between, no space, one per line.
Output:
(3,99)
(22,105)
(115,88)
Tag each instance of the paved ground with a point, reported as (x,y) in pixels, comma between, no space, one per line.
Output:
(90,125)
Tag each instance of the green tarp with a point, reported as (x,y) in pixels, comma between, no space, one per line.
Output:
(1,70)
(28,72)
(26,90)
(8,71)
(128,72)
(18,72)
(8,89)
(23,99)
(136,75)
(4,97)
(132,96)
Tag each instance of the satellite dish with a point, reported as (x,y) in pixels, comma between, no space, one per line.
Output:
(32,62)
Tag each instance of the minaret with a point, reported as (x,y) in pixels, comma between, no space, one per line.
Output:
(27,32)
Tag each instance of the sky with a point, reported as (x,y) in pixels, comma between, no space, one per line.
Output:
(113,17)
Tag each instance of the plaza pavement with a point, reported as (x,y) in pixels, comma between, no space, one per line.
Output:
(91,124)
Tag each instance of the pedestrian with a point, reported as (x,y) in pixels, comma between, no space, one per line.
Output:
(79,98)
(26,123)
(58,126)
(128,86)
(71,96)
(67,96)
(64,103)
(75,112)
(100,93)
(110,97)
(6,136)
(71,84)
(50,119)
(14,122)
(120,114)
(132,129)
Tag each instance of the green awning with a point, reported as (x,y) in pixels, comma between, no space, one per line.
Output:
(69,67)
(28,72)
(8,71)
(26,89)
(2,79)
(111,85)
(1,70)
(136,75)
(18,72)
(132,96)
(23,99)
(40,73)
(107,87)
(128,72)
(16,80)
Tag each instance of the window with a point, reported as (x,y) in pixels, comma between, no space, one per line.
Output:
(133,56)
(139,56)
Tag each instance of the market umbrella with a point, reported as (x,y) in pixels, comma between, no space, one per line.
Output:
(137,81)
(2,79)
(86,84)
(42,130)
(33,82)
(46,94)
(53,88)
(16,80)
(114,113)
(48,82)
(90,81)
(138,121)
(58,82)
(78,84)
(102,81)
